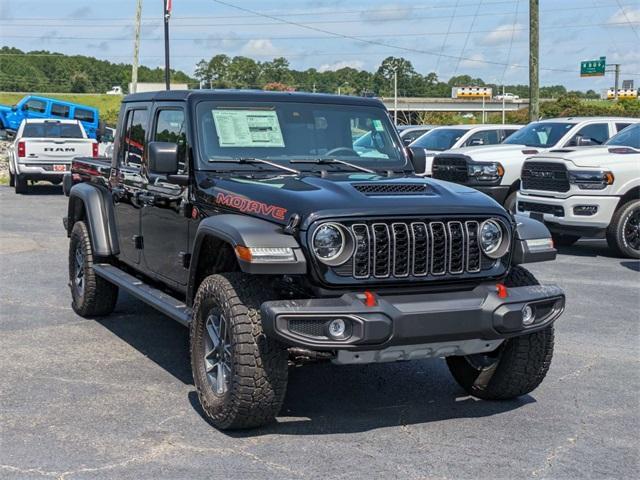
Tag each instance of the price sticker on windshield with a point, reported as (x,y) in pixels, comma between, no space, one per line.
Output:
(377,124)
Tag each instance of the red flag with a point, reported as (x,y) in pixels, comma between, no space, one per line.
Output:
(168,7)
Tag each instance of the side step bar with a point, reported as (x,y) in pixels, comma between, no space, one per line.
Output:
(159,300)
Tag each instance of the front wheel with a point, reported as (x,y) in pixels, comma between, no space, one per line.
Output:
(623,234)
(516,367)
(240,374)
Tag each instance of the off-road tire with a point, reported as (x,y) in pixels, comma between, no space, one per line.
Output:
(98,296)
(258,364)
(615,232)
(522,362)
(562,240)
(21,184)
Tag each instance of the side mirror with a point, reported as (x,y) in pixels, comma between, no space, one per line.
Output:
(163,157)
(14,108)
(584,141)
(476,141)
(406,141)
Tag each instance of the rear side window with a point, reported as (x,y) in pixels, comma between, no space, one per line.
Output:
(486,137)
(621,126)
(597,133)
(37,106)
(133,142)
(58,110)
(170,128)
(506,133)
(51,130)
(412,135)
(84,115)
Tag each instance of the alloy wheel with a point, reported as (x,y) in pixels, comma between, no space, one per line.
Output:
(217,352)
(631,229)
(78,280)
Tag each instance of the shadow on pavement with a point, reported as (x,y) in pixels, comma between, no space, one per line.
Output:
(44,189)
(588,248)
(632,265)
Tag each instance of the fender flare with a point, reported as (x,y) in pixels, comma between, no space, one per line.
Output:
(99,216)
(529,229)
(246,231)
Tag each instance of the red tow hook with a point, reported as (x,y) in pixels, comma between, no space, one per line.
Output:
(370,299)
(502,290)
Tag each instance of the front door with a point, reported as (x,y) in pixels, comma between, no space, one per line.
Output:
(164,220)
(128,183)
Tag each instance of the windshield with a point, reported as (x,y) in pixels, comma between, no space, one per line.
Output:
(52,130)
(286,131)
(439,139)
(540,134)
(629,137)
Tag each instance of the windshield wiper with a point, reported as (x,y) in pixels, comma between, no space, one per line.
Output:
(329,161)
(249,160)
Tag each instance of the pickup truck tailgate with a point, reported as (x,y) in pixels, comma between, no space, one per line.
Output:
(57,150)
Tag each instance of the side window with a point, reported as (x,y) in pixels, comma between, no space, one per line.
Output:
(84,115)
(170,127)
(486,137)
(506,133)
(621,126)
(133,141)
(58,110)
(37,106)
(594,134)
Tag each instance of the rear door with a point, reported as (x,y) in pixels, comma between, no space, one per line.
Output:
(127,185)
(164,220)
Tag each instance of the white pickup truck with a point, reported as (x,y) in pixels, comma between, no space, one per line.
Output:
(495,170)
(591,191)
(43,150)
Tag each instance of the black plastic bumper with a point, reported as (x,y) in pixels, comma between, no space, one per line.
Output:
(498,192)
(411,319)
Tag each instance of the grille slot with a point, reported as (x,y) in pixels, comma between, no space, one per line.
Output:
(451,169)
(308,327)
(415,249)
(555,210)
(547,176)
(372,189)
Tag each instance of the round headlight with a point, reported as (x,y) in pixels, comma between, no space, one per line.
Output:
(494,239)
(332,244)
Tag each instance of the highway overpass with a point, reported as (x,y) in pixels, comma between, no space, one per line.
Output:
(423,104)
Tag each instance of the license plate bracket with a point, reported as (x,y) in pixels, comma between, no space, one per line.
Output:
(59,168)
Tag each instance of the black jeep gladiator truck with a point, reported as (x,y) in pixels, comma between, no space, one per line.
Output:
(254,219)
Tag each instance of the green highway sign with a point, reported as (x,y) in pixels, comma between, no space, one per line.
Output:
(593,68)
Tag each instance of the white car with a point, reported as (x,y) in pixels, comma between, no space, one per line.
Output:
(440,139)
(496,170)
(43,150)
(409,133)
(591,191)
(507,97)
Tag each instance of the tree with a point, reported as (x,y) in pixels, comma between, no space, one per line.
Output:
(276,71)
(243,72)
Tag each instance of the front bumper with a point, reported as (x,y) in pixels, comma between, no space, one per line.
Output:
(564,213)
(415,319)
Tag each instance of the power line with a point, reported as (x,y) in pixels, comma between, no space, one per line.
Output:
(513,34)
(446,37)
(624,12)
(466,40)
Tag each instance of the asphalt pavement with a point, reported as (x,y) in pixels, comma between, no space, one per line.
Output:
(114,398)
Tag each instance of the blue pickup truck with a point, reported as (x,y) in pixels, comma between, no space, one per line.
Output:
(33,106)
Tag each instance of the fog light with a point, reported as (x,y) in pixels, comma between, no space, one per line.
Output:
(337,328)
(527,315)
(585,210)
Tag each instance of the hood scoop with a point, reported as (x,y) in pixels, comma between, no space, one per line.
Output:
(385,189)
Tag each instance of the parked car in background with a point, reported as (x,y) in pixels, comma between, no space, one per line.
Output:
(409,133)
(507,97)
(115,90)
(440,139)
(43,149)
(592,191)
(496,170)
(33,106)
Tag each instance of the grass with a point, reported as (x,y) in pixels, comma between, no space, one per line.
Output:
(107,105)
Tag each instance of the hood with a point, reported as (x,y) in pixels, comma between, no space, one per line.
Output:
(5,108)
(494,152)
(589,156)
(277,198)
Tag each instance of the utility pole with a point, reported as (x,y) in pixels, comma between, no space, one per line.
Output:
(617,79)
(167,70)
(503,104)
(136,49)
(534,78)
(395,95)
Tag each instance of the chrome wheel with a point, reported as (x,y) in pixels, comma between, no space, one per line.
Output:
(631,230)
(217,352)
(78,278)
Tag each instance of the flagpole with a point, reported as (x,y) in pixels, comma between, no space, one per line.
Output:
(167,71)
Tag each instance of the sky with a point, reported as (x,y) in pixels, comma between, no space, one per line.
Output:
(482,38)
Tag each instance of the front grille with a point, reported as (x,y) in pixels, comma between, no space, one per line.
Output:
(546,176)
(451,169)
(416,249)
(374,189)
(555,210)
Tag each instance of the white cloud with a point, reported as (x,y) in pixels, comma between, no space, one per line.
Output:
(259,47)
(474,61)
(625,16)
(332,67)
(388,13)
(502,34)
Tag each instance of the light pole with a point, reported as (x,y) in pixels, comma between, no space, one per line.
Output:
(395,95)
(167,71)
(345,84)
(503,104)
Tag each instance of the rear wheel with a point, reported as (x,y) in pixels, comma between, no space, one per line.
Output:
(91,295)
(20,184)
(562,240)
(623,234)
(515,368)
(240,374)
